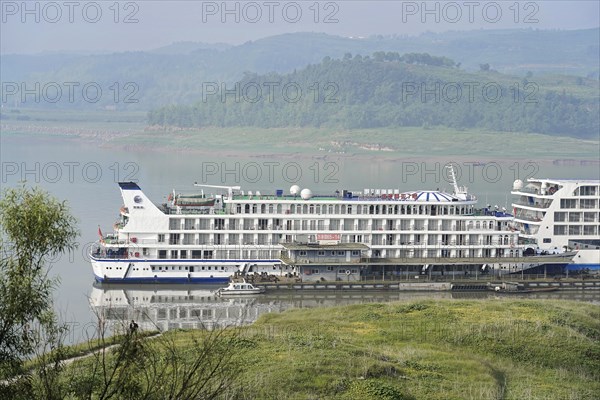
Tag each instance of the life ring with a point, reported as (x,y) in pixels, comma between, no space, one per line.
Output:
(348,272)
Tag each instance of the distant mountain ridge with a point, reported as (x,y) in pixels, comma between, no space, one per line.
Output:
(189,47)
(175,74)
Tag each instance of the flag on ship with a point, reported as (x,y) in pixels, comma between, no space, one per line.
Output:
(100,234)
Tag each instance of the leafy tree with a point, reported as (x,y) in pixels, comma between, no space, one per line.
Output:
(205,366)
(379,56)
(34,229)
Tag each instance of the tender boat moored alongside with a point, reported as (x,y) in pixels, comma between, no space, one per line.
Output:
(240,288)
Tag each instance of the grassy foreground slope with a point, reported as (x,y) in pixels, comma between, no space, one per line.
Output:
(427,350)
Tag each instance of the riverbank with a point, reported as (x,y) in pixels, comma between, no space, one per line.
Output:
(129,131)
(426,349)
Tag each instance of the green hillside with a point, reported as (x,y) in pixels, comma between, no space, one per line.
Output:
(389,90)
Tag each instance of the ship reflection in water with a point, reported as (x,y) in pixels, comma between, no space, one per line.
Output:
(166,307)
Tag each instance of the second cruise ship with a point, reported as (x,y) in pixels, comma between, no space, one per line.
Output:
(560,215)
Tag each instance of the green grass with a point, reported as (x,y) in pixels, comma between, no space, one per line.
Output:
(446,349)
(86,348)
(428,350)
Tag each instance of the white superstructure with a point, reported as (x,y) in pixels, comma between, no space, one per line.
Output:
(198,238)
(557,215)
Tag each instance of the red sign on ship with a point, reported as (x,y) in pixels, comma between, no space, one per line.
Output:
(328,236)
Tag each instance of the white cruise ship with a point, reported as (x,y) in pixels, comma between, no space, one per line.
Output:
(346,235)
(558,215)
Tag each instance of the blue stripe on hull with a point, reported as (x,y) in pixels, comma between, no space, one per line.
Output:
(162,280)
(580,267)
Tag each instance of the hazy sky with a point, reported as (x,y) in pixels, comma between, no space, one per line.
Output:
(38,26)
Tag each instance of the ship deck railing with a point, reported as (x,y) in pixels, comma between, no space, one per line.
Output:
(106,256)
(192,211)
(420,261)
(528,218)
(542,206)
(536,192)
(287,213)
(373,198)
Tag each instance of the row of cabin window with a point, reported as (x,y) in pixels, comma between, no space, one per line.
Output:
(195,254)
(583,203)
(220,254)
(185,268)
(313,224)
(332,253)
(234,239)
(575,216)
(587,230)
(586,191)
(348,209)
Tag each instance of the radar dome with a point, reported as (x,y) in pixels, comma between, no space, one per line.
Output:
(518,184)
(294,190)
(306,194)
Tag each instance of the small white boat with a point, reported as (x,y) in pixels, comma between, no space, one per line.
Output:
(240,288)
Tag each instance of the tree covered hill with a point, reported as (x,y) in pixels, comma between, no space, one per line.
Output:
(390,90)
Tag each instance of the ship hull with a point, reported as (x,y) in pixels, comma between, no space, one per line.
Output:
(174,271)
(585,260)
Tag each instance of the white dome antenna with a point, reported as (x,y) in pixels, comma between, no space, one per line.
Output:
(306,194)
(294,190)
(518,184)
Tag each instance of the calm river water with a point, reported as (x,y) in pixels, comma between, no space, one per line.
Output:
(86,177)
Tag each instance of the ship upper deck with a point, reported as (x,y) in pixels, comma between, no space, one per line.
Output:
(422,196)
